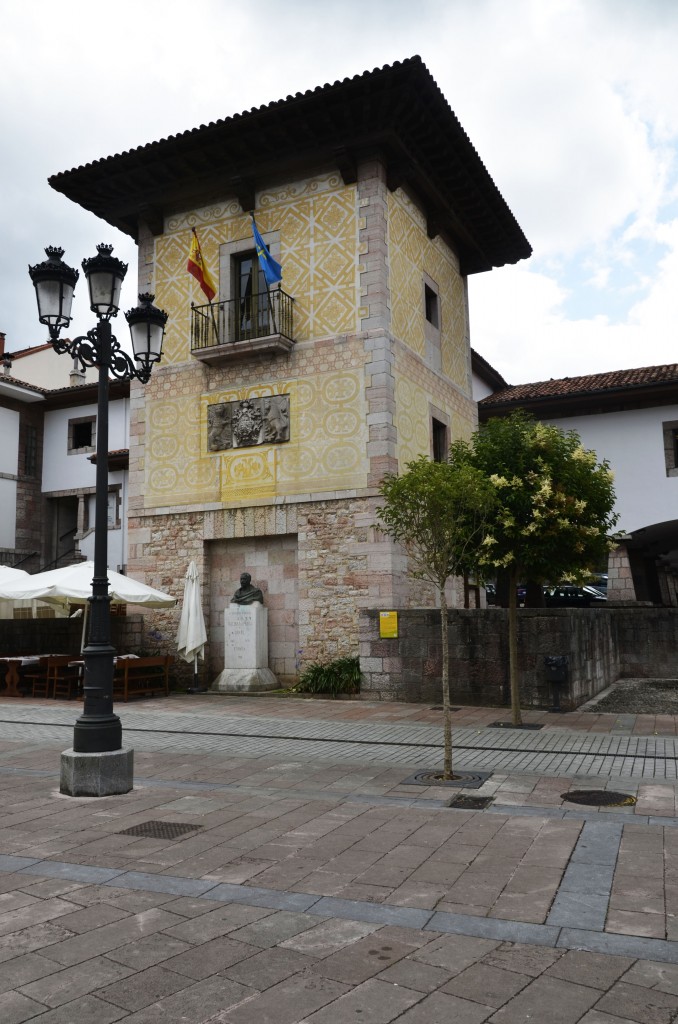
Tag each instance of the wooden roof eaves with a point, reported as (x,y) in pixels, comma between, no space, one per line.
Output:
(403,99)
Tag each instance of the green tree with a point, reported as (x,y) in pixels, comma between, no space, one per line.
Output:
(554,512)
(437,512)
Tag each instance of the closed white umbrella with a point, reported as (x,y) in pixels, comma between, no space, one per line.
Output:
(192,635)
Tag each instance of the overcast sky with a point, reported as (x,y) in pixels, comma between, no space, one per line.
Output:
(571,105)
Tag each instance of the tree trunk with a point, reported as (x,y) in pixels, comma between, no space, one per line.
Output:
(447,715)
(513,647)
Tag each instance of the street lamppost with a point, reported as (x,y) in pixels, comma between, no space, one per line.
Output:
(97,764)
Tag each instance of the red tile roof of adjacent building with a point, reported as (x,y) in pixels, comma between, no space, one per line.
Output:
(591,384)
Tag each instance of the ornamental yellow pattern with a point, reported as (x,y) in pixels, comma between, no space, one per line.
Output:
(317,219)
(326,452)
(412,254)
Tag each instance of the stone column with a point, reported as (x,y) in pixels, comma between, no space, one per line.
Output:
(620,587)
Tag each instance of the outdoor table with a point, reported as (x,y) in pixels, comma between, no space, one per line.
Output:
(12,677)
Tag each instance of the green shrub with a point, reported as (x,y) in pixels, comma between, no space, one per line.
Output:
(334,677)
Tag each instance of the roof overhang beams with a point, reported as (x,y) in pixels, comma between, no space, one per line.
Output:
(396,112)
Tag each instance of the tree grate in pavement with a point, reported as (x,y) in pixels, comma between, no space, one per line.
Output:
(160,829)
(462,780)
(598,798)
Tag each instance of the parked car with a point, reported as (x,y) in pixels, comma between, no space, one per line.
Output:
(567,595)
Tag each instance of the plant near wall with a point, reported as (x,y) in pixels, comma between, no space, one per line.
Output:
(553,514)
(334,677)
(438,512)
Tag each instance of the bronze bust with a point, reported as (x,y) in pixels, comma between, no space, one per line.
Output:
(246,593)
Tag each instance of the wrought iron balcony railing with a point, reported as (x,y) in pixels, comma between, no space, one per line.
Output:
(230,330)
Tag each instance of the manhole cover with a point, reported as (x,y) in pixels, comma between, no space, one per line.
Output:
(598,798)
(470,803)
(462,780)
(510,725)
(160,830)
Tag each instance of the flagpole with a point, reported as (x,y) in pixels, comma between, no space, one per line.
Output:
(268,289)
(214,322)
(270,306)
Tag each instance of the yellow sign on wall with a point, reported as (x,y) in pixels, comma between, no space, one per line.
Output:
(388,625)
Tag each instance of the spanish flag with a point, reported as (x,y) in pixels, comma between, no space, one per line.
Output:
(196,266)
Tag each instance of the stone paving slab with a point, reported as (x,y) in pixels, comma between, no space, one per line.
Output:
(554,751)
(320,887)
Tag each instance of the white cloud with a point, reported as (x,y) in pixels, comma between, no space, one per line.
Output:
(570,104)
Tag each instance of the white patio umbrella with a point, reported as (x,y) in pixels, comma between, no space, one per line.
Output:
(192,635)
(8,572)
(73,583)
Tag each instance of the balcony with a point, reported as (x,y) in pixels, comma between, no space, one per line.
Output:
(240,328)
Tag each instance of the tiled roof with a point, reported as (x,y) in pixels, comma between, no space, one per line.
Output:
(487,371)
(397,112)
(591,384)
(9,378)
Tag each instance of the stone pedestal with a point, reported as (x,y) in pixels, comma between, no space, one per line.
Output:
(106,774)
(245,651)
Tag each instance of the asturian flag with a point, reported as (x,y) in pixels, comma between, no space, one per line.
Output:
(197,266)
(271,268)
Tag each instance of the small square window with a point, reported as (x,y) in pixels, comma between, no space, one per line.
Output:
(81,434)
(431,306)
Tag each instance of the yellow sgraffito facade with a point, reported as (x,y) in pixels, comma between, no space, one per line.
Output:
(411,255)
(326,450)
(317,220)
(420,391)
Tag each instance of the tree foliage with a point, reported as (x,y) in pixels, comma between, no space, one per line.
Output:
(555,502)
(554,509)
(437,511)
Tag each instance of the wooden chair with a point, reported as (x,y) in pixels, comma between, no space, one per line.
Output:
(55,676)
(65,677)
(40,678)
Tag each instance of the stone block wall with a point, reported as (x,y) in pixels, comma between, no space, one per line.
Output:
(601,644)
(272,564)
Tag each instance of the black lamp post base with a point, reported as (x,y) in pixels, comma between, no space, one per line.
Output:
(97,734)
(104,774)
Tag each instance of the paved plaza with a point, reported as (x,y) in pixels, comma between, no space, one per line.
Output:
(275,863)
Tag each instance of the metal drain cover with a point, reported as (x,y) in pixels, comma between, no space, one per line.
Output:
(510,725)
(439,707)
(461,780)
(470,803)
(160,830)
(598,798)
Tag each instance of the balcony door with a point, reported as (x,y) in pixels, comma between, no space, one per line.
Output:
(252,304)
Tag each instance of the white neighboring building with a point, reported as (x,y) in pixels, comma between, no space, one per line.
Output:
(47,471)
(630,418)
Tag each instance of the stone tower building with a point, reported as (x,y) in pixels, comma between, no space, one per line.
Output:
(260,441)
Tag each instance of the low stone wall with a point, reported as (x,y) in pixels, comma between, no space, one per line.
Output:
(601,644)
(63,636)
